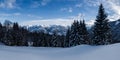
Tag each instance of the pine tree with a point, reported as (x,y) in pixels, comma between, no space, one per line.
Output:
(17,36)
(54,40)
(61,41)
(36,39)
(15,26)
(83,33)
(23,35)
(74,35)
(1,32)
(43,41)
(101,31)
(7,34)
(67,40)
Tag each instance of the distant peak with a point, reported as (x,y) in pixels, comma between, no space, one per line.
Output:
(7,22)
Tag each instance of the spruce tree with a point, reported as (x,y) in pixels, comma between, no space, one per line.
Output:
(17,36)
(83,33)
(74,35)
(23,35)
(1,32)
(67,40)
(101,31)
(54,40)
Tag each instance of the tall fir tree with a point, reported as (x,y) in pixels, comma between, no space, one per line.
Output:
(17,36)
(83,33)
(67,40)
(101,31)
(54,40)
(74,38)
(23,35)
(1,32)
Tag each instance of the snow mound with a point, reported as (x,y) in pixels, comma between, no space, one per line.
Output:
(82,52)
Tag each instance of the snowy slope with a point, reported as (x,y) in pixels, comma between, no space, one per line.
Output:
(82,52)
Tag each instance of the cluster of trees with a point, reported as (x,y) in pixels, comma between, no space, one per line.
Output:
(101,32)
(45,39)
(77,34)
(14,35)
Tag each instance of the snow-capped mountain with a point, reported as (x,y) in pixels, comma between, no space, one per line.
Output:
(37,29)
(8,23)
(60,30)
(115,26)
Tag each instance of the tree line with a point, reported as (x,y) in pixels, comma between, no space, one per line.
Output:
(77,34)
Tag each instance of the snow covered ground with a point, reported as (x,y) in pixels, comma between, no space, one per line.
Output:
(82,52)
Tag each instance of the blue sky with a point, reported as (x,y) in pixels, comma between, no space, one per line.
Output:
(32,12)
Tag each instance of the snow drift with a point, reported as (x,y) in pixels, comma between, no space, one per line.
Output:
(82,52)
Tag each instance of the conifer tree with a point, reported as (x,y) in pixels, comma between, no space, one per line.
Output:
(101,31)
(74,35)
(54,40)
(67,40)
(17,37)
(1,32)
(83,33)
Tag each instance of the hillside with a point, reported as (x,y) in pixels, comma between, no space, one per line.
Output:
(82,52)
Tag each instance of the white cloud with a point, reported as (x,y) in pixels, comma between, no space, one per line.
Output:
(92,2)
(55,21)
(45,2)
(39,3)
(47,22)
(19,14)
(70,10)
(33,16)
(16,14)
(114,17)
(8,4)
(90,22)
(4,14)
(67,9)
(114,5)
(78,5)
(63,9)
(80,16)
(8,15)
(35,4)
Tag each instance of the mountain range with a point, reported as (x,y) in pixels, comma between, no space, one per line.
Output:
(61,30)
(115,26)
